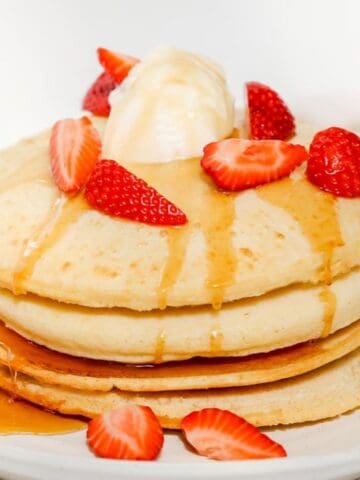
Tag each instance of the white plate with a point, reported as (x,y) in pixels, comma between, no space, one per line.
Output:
(48,63)
(328,450)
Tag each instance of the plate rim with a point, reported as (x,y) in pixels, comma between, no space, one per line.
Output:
(252,468)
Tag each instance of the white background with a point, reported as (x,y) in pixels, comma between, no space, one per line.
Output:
(309,50)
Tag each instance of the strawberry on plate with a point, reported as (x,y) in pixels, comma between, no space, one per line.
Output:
(131,432)
(222,435)
(334,162)
(116,191)
(74,150)
(116,64)
(269,117)
(96,99)
(236,164)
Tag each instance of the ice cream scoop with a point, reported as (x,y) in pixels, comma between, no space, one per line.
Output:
(170,106)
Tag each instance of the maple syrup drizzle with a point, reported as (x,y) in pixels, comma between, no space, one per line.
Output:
(18,416)
(315,211)
(216,339)
(328,298)
(177,243)
(184,183)
(236,133)
(160,347)
(64,212)
(9,358)
(29,254)
(177,181)
(221,254)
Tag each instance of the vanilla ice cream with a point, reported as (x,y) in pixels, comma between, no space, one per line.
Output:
(170,106)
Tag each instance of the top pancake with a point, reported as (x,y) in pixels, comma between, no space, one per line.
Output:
(234,246)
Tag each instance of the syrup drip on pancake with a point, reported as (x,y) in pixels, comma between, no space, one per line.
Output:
(211,213)
(177,243)
(159,349)
(185,184)
(9,358)
(328,299)
(314,210)
(64,212)
(221,253)
(216,339)
(51,367)
(17,416)
(209,210)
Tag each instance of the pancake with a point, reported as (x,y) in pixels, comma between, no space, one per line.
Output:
(280,319)
(323,393)
(50,367)
(58,247)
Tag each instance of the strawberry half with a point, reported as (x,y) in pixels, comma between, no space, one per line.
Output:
(269,117)
(236,164)
(116,191)
(74,150)
(129,433)
(116,64)
(334,162)
(96,99)
(222,435)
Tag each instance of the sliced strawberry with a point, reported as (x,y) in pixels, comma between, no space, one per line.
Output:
(97,97)
(269,117)
(129,433)
(334,162)
(236,164)
(222,435)
(116,64)
(74,150)
(116,191)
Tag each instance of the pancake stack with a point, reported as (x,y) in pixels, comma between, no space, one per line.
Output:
(253,306)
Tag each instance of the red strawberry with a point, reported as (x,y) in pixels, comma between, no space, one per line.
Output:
(116,191)
(269,117)
(130,433)
(222,435)
(334,162)
(236,164)
(117,65)
(74,150)
(97,97)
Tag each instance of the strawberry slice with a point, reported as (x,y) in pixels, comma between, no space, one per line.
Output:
(116,191)
(236,164)
(116,64)
(222,435)
(74,150)
(269,117)
(334,162)
(96,99)
(129,433)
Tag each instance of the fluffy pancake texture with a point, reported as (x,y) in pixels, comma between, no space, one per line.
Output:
(58,247)
(50,367)
(279,319)
(322,393)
